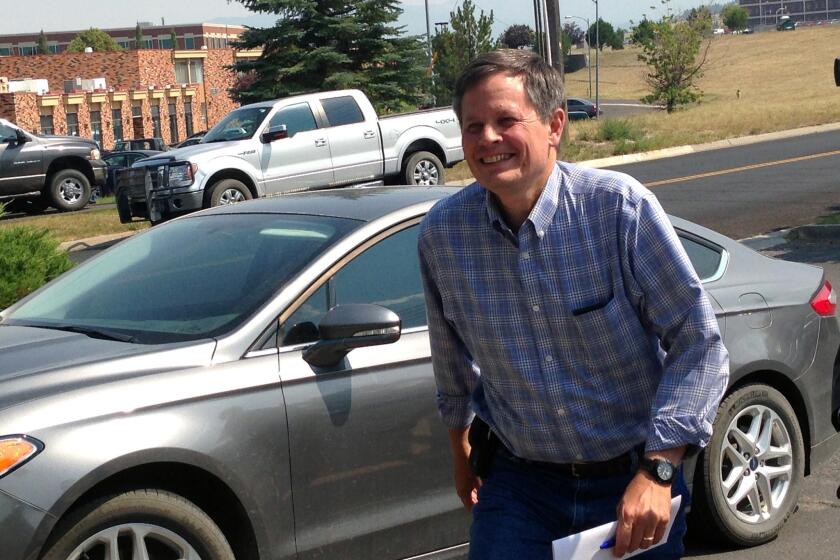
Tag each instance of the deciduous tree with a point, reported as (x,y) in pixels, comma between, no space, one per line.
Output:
(734,17)
(333,44)
(94,38)
(675,57)
(603,32)
(517,36)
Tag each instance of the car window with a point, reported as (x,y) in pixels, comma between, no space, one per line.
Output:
(7,133)
(704,258)
(575,103)
(131,158)
(386,274)
(342,110)
(117,160)
(194,278)
(297,118)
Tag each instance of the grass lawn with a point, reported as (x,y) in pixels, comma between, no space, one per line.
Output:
(69,226)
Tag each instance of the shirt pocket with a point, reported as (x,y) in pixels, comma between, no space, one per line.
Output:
(609,335)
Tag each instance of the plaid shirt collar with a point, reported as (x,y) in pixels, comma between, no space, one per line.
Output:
(542,214)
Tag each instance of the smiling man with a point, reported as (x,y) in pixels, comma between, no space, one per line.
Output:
(567,326)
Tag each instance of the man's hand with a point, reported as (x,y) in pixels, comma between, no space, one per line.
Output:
(643,514)
(466,483)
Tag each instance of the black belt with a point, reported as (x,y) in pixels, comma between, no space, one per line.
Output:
(623,464)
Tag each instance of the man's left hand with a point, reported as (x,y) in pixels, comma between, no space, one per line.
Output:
(643,514)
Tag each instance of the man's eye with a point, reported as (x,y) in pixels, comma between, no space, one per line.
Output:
(474,128)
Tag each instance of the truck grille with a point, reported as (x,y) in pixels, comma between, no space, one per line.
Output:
(134,180)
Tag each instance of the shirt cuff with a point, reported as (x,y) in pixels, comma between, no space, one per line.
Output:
(455,410)
(677,431)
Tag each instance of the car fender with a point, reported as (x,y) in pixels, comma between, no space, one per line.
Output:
(396,155)
(209,167)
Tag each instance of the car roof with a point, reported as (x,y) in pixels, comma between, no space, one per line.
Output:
(142,152)
(356,203)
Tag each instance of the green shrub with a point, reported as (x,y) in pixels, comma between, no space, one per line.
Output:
(29,257)
(618,129)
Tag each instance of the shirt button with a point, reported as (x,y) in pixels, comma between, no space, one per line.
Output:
(540,233)
(561,411)
(579,457)
(535,307)
(526,255)
(549,359)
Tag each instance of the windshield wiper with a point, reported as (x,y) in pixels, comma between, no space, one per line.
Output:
(217,140)
(92,332)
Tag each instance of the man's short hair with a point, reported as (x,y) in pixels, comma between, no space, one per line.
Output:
(543,84)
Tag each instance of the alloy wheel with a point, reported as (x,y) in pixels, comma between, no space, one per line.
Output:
(134,541)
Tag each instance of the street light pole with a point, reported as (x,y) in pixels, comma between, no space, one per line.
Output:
(597,60)
(431,59)
(588,50)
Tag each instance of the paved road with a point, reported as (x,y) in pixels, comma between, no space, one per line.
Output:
(750,189)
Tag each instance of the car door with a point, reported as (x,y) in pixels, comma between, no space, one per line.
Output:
(21,164)
(354,141)
(302,160)
(370,463)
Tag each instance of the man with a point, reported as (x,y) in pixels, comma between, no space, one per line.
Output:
(564,313)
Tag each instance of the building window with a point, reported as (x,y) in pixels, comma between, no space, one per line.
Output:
(137,119)
(116,116)
(124,44)
(5,51)
(173,124)
(156,121)
(26,51)
(188,119)
(96,123)
(165,43)
(55,49)
(72,122)
(47,124)
(189,71)
(189,42)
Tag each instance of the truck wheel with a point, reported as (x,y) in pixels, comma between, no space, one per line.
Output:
(150,524)
(69,190)
(753,467)
(423,168)
(229,191)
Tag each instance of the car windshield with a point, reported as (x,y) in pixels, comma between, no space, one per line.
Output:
(193,278)
(237,125)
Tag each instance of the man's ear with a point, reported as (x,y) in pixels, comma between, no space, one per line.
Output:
(555,125)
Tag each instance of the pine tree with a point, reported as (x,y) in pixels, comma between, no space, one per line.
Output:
(332,44)
(453,50)
(138,37)
(43,46)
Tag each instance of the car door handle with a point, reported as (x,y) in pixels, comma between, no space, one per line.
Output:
(369,134)
(320,142)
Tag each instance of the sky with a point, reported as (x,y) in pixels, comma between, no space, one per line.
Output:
(66,15)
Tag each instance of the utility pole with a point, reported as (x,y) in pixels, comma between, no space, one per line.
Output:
(555,37)
(431,58)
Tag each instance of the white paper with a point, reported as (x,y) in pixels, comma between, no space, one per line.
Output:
(586,545)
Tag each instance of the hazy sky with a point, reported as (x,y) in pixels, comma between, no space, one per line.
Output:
(55,15)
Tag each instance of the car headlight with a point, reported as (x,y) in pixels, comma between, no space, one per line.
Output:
(182,174)
(17,450)
(95,154)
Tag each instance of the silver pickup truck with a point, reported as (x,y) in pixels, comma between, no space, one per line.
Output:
(305,142)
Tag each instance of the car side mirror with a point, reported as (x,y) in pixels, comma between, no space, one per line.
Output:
(837,72)
(349,326)
(21,137)
(273,133)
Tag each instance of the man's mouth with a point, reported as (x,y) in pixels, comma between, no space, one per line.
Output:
(496,158)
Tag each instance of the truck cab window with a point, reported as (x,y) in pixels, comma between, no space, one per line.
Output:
(342,110)
(297,118)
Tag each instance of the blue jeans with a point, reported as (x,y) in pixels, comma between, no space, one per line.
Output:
(522,508)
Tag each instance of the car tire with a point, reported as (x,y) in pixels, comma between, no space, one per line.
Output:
(69,190)
(423,168)
(228,191)
(159,523)
(752,470)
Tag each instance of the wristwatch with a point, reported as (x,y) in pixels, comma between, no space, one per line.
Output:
(661,470)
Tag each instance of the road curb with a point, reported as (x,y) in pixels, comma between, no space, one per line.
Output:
(91,242)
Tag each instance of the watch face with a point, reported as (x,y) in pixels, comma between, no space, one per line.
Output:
(664,471)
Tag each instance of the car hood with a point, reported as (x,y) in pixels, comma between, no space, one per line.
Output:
(200,152)
(67,140)
(37,362)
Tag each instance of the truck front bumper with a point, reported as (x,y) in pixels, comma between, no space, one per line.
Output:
(139,195)
(100,172)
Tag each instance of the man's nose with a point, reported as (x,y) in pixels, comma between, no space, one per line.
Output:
(489,134)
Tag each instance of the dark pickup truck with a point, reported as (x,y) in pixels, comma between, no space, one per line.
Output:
(41,171)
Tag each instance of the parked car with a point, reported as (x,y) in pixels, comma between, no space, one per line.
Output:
(117,161)
(786,24)
(582,109)
(140,144)
(305,142)
(191,140)
(41,171)
(254,381)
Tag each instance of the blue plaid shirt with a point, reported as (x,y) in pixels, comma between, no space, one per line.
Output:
(580,336)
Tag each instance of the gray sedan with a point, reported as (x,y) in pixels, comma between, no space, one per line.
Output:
(253,382)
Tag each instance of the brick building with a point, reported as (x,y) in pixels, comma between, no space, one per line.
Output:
(767,12)
(187,36)
(154,92)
